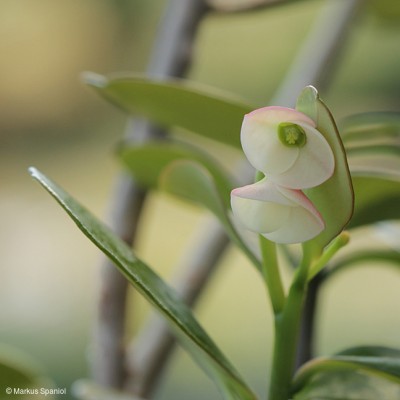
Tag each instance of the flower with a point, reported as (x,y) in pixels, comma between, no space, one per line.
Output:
(279,214)
(285,145)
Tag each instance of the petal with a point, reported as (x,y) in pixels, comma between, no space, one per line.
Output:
(265,190)
(304,222)
(260,140)
(260,207)
(302,225)
(280,214)
(315,164)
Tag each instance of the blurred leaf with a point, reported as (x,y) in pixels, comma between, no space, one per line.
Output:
(376,162)
(359,373)
(18,370)
(191,181)
(147,161)
(376,200)
(334,199)
(373,146)
(362,128)
(152,287)
(372,351)
(348,385)
(180,103)
(366,256)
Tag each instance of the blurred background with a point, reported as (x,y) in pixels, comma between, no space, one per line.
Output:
(49,119)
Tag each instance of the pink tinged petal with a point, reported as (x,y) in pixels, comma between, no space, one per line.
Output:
(315,164)
(260,140)
(259,216)
(281,215)
(304,222)
(260,207)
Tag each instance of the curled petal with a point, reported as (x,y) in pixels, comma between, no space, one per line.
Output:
(296,167)
(281,215)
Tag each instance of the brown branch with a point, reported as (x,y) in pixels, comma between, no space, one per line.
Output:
(150,352)
(171,58)
(320,52)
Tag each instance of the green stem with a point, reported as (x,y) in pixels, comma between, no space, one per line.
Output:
(287,330)
(271,273)
(339,242)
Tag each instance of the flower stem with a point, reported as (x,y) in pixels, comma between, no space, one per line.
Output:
(272,276)
(287,330)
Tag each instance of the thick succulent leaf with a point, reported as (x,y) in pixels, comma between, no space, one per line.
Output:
(359,373)
(160,295)
(191,181)
(147,161)
(334,199)
(199,109)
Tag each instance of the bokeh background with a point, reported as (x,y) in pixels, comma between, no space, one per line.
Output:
(49,119)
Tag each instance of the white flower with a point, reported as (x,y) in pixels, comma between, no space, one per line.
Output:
(279,214)
(284,144)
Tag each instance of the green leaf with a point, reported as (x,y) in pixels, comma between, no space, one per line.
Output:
(372,351)
(199,109)
(358,373)
(18,370)
(348,385)
(365,256)
(191,181)
(147,161)
(334,199)
(370,127)
(374,160)
(377,199)
(152,287)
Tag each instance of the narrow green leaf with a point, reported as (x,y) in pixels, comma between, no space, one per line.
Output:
(350,375)
(199,109)
(147,161)
(191,181)
(152,287)
(334,199)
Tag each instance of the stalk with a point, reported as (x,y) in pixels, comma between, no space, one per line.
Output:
(287,332)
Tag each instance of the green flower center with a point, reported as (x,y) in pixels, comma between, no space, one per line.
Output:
(291,135)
